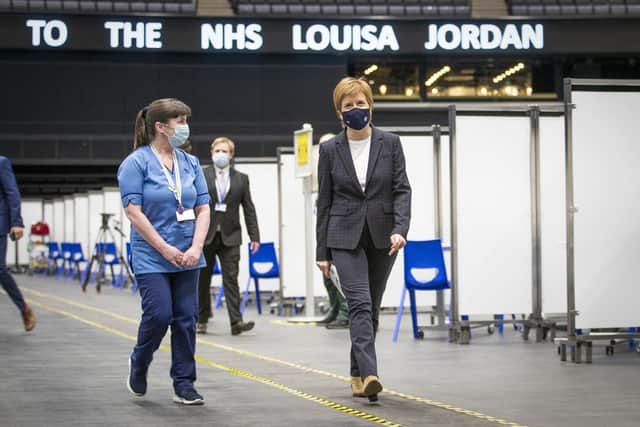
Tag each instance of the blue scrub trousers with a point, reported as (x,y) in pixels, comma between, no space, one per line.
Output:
(168,299)
(8,284)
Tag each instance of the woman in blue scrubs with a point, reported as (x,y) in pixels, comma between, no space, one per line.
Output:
(165,197)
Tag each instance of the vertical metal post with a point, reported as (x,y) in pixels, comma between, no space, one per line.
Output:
(536,255)
(437,211)
(568,153)
(310,304)
(455,315)
(280,244)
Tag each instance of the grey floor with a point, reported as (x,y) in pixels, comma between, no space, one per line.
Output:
(71,371)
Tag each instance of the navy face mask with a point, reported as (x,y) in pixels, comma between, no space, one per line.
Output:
(356,118)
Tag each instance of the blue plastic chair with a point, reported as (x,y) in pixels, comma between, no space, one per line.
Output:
(73,256)
(55,255)
(421,258)
(67,254)
(262,265)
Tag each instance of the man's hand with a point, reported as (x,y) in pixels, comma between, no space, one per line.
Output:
(17,232)
(254,247)
(397,243)
(324,266)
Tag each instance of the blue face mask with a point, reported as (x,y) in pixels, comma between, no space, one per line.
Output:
(221,160)
(356,118)
(180,136)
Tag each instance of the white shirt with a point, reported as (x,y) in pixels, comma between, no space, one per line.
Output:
(360,155)
(223,184)
(222,181)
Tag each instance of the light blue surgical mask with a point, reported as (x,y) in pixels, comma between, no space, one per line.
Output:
(180,136)
(220,159)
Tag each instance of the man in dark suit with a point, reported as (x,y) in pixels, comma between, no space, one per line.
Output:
(364,210)
(11,224)
(228,189)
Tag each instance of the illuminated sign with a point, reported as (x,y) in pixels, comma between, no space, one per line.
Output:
(231,36)
(222,35)
(342,38)
(54,33)
(485,37)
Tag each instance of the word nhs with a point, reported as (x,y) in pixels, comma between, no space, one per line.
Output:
(484,37)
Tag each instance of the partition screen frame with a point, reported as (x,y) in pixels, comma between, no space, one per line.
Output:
(572,86)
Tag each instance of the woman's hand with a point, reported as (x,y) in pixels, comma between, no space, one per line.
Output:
(397,243)
(324,266)
(191,257)
(173,255)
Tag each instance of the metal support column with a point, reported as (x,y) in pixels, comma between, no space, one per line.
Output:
(536,255)
(571,210)
(437,207)
(454,330)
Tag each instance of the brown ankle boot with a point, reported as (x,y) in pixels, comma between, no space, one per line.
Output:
(29,319)
(371,386)
(356,387)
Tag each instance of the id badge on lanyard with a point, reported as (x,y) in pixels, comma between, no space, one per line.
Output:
(221,206)
(182,214)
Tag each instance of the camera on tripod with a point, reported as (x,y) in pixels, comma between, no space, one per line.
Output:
(105,252)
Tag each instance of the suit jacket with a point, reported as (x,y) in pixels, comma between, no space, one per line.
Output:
(229,221)
(343,207)
(9,198)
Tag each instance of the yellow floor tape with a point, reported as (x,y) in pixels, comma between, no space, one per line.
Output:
(434,403)
(306,396)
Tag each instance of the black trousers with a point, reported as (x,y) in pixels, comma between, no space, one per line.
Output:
(363,275)
(229,257)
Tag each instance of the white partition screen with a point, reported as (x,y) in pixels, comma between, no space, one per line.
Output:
(494,215)
(263,181)
(113,205)
(418,152)
(81,222)
(606,155)
(94,219)
(47,213)
(293,243)
(69,234)
(57,226)
(31,210)
(553,219)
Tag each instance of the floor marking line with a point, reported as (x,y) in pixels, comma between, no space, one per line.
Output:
(263,380)
(429,402)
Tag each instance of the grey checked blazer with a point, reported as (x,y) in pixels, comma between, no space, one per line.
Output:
(343,207)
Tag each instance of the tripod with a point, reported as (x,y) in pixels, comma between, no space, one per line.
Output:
(100,253)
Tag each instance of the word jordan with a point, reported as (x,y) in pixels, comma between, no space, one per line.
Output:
(485,37)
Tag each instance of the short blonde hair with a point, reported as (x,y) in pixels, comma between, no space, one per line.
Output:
(350,86)
(224,140)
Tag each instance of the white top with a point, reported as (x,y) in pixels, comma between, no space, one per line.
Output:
(360,155)
(223,184)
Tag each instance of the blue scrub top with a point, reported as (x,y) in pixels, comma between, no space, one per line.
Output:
(142,182)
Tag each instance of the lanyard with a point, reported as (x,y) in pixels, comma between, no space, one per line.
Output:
(175,188)
(222,191)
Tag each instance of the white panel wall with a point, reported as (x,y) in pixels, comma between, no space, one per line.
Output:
(95,200)
(31,213)
(69,234)
(47,213)
(494,215)
(293,244)
(553,218)
(606,155)
(263,181)
(113,205)
(57,226)
(81,222)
